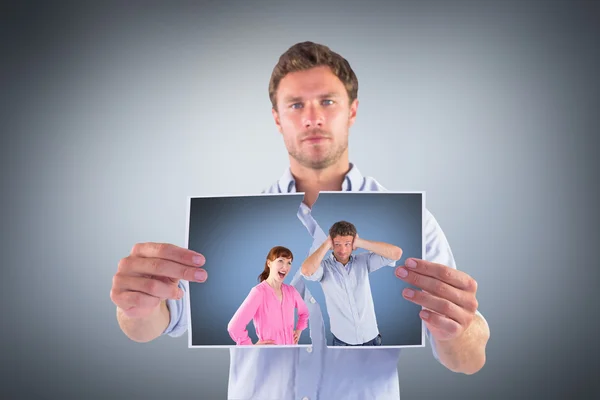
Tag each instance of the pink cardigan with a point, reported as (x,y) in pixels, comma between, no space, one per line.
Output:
(273,320)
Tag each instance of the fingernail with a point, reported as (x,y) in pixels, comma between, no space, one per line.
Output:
(411,263)
(197,259)
(425,314)
(409,293)
(179,294)
(200,275)
(402,273)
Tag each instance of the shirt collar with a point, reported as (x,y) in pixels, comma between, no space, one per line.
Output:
(353,180)
(332,258)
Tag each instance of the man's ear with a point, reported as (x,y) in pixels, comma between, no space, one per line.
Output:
(276,119)
(353,111)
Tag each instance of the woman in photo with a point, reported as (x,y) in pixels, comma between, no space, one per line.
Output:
(270,305)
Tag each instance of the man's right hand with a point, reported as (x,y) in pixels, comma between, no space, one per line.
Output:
(151,274)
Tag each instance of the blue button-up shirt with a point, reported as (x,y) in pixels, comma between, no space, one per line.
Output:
(317,372)
(348,297)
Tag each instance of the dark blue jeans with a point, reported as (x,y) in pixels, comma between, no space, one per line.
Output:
(373,342)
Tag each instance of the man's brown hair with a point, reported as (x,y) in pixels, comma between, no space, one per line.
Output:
(306,55)
(342,228)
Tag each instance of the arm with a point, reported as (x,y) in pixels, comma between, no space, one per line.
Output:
(380,254)
(242,317)
(302,311)
(311,267)
(385,250)
(314,230)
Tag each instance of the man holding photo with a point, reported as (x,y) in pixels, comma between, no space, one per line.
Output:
(313,92)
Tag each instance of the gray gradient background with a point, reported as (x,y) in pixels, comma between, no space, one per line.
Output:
(113,115)
(236,233)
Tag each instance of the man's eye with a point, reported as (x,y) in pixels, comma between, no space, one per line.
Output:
(327,102)
(296,105)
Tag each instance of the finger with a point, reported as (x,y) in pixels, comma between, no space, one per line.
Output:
(153,287)
(439,288)
(169,252)
(437,304)
(449,327)
(138,301)
(161,267)
(451,276)
(165,279)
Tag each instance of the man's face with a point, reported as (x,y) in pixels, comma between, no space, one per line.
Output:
(342,247)
(314,116)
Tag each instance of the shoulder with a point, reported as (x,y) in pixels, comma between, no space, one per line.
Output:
(437,247)
(430,224)
(327,261)
(258,289)
(274,188)
(290,290)
(371,184)
(363,258)
(283,185)
(287,287)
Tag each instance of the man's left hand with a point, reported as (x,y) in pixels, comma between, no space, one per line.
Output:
(447,296)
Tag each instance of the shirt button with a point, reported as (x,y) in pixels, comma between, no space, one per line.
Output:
(305,398)
(312,300)
(309,349)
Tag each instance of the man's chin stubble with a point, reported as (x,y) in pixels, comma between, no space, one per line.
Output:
(318,164)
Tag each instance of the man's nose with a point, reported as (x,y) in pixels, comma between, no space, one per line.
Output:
(313,118)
